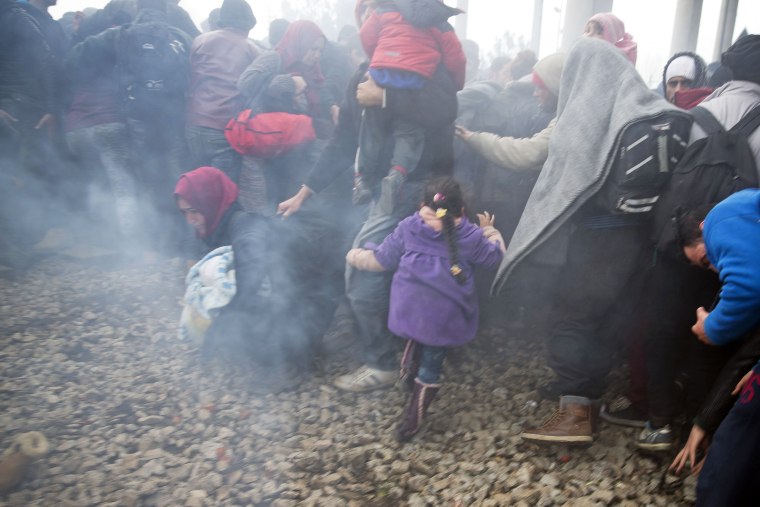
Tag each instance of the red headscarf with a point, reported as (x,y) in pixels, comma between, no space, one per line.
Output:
(297,40)
(210,191)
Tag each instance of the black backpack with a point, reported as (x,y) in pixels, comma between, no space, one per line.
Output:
(647,151)
(153,68)
(712,169)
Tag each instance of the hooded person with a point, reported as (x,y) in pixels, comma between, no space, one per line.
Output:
(684,80)
(267,329)
(607,26)
(277,78)
(289,80)
(564,225)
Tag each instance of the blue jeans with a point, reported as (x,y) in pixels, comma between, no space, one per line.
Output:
(431,363)
(209,147)
(582,345)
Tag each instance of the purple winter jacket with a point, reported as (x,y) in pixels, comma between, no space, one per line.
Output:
(427,304)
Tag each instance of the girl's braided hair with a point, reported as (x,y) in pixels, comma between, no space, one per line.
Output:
(444,196)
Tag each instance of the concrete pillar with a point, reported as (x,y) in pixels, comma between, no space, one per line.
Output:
(686,26)
(726,23)
(460,22)
(535,35)
(576,14)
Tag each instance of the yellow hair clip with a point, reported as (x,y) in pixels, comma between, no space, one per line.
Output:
(455,270)
(440,212)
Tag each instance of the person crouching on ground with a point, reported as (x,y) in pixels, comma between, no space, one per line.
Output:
(433,303)
(268,327)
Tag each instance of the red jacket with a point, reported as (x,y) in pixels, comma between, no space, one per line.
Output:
(392,43)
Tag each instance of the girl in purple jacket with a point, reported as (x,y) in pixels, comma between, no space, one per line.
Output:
(433,302)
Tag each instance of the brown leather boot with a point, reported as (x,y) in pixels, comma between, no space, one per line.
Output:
(415,410)
(571,424)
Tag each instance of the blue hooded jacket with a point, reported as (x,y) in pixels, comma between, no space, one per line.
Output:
(732,238)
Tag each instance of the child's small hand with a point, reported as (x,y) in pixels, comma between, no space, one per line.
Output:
(351,256)
(486,219)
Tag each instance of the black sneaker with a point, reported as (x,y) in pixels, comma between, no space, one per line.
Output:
(650,439)
(623,413)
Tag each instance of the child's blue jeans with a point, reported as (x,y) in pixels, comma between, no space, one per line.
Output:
(431,363)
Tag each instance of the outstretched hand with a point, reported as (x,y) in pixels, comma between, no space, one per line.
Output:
(292,205)
(485,219)
(8,119)
(47,120)
(463,133)
(694,444)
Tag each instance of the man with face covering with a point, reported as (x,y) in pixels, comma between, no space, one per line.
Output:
(685,71)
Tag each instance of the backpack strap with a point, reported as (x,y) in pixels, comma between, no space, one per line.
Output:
(749,123)
(706,120)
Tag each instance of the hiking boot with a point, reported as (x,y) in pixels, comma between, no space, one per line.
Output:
(570,424)
(651,439)
(623,413)
(361,194)
(414,412)
(365,379)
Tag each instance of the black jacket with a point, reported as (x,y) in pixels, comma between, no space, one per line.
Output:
(433,107)
(282,303)
(26,62)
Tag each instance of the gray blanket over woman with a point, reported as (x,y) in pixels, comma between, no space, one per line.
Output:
(600,93)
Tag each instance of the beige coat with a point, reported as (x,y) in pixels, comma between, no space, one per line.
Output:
(527,154)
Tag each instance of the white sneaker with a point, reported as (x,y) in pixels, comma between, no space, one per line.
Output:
(366,379)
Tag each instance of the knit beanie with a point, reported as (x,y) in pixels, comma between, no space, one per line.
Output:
(685,64)
(237,14)
(548,72)
(743,58)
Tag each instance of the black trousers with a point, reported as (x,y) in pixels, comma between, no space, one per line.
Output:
(674,290)
(582,345)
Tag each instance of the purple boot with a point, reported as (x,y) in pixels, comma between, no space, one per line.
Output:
(410,364)
(414,413)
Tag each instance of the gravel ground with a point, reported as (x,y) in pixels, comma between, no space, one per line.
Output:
(90,358)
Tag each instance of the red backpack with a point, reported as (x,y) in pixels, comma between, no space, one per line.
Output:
(268,135)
